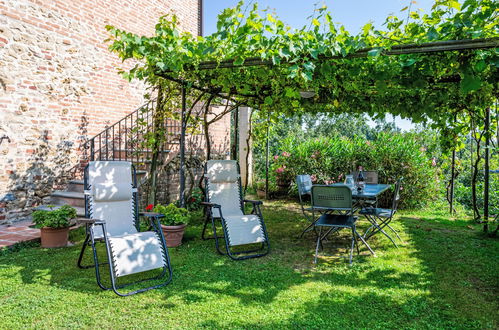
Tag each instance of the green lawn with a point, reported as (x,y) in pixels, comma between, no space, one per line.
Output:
(443,275)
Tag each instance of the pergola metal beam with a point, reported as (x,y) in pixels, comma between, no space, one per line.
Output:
(424,48)
(214,92)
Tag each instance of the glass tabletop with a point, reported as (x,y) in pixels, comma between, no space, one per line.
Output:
(370,190)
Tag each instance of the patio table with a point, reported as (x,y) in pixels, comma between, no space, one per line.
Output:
(370,191)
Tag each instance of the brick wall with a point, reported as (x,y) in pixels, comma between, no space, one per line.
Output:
(168,177)
(59,83)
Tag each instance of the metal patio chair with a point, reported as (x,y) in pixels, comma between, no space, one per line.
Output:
(369,176)
(111,209)
(330,199)
(381,218)
(304,184)
(224,202)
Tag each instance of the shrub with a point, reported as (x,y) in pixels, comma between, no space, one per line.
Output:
(393,155)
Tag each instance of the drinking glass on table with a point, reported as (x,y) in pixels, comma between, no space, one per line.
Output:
(349,181)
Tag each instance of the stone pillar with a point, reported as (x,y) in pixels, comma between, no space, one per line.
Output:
(245,155)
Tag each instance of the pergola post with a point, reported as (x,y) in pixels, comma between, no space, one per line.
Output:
(453,174)
(245,155)
(487,171)
(182,149)
(267,155)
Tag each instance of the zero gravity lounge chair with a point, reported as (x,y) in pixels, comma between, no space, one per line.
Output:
(111,209)
(224,202)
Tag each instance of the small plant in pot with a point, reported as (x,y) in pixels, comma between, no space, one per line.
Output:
(54,225)
(173,223)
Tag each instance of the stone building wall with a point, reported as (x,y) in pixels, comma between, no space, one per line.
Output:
(59,84)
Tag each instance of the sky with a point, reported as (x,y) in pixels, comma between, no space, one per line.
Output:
(353,14)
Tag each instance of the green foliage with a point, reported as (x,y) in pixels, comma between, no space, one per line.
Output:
(193,202)
(57,218)
(17,247)
(423,87)
(174,215)
(462,189)
(328,160)
(446,90)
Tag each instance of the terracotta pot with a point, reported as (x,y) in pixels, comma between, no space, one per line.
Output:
(260,193)
(283,185)
(173,234)
(54,237)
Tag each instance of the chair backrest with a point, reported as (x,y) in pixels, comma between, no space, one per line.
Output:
(111,195)
(369,176)
(223,186)
(304,184)
(337,197)
(396,195)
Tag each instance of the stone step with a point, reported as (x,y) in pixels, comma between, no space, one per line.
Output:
(141,174)
(72,198)
(75,186)
(80,211)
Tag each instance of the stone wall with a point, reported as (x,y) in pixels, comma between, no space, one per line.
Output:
(59,84)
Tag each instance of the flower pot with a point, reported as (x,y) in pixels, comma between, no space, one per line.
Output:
(283,185)
(54,237)
(173,234)
(260,193)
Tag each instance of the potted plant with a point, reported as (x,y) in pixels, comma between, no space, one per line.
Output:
(173,223)
(54,225)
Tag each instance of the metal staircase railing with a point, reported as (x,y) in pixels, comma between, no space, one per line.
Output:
(124,140)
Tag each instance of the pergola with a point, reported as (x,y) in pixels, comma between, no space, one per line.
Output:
(431,69)
(424,48)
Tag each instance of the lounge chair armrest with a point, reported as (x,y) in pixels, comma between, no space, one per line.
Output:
(153,218)
(90,221)
(253,202)
(151,215)
(211,205)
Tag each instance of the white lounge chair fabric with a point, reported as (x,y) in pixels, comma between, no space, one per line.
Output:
(220,171)
(244,229)
(111,197)
(136,253)
(223,188)
(223,181)
(111,200)
(227,196)
(112,192)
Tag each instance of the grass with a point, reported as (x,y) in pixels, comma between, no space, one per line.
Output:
(443,275)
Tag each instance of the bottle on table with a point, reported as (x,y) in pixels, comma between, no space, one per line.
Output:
(360,179)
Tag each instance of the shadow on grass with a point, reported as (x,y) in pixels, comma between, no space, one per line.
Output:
(437,279)
(462,264)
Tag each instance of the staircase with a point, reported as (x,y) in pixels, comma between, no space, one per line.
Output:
(120,141)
